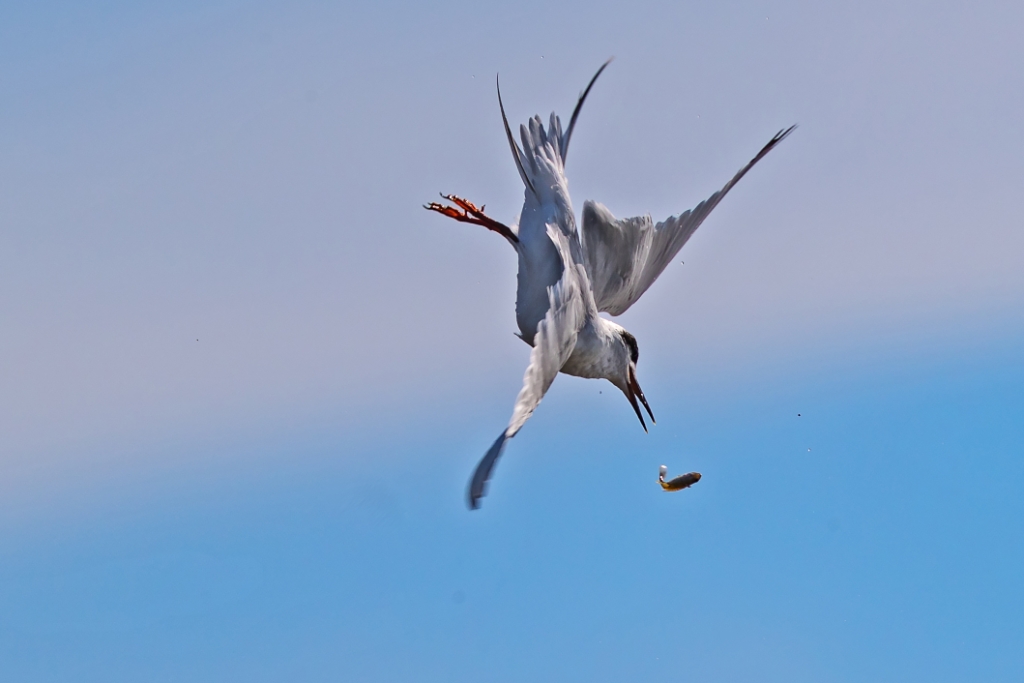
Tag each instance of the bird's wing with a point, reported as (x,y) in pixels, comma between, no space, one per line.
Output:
(624,257)
(552,346)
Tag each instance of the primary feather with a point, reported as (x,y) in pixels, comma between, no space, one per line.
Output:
(625,256)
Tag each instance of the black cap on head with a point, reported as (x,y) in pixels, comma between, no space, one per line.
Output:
(634,350)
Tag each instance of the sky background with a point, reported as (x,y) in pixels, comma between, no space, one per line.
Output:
(244,377)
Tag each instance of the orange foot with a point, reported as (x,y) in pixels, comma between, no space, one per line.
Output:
(467,212)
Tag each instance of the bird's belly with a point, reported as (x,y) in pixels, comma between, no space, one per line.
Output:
(585,363)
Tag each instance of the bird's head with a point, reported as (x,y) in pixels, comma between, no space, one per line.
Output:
(626,356)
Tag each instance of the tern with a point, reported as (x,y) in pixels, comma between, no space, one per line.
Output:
(568,277)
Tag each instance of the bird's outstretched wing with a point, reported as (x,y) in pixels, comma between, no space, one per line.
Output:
(552,346)
(624,257)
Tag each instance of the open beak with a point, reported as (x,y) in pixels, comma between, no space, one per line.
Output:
(633,392)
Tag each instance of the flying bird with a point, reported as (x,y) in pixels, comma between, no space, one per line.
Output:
(568,277)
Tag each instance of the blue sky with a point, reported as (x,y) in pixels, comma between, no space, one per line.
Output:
(245,377)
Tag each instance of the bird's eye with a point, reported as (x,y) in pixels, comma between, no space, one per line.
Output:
(634,351)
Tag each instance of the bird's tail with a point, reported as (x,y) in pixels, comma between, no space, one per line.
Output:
(541,161)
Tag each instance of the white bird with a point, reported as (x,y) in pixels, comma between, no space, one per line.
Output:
(566,279)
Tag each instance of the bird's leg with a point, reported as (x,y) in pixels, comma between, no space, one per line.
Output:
(467,212)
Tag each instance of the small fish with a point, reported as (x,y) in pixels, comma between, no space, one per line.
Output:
(683,481)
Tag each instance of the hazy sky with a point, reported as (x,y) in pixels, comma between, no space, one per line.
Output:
(244,377)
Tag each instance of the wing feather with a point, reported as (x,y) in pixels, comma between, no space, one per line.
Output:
(552,346)
(624,257)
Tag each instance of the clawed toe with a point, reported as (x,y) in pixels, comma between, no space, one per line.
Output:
(467,212)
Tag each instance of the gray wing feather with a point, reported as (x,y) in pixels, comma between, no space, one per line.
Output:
(552,346)
(478,484)
(624,257)
(555,339)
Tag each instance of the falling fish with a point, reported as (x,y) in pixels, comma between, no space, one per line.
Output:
(683,481)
